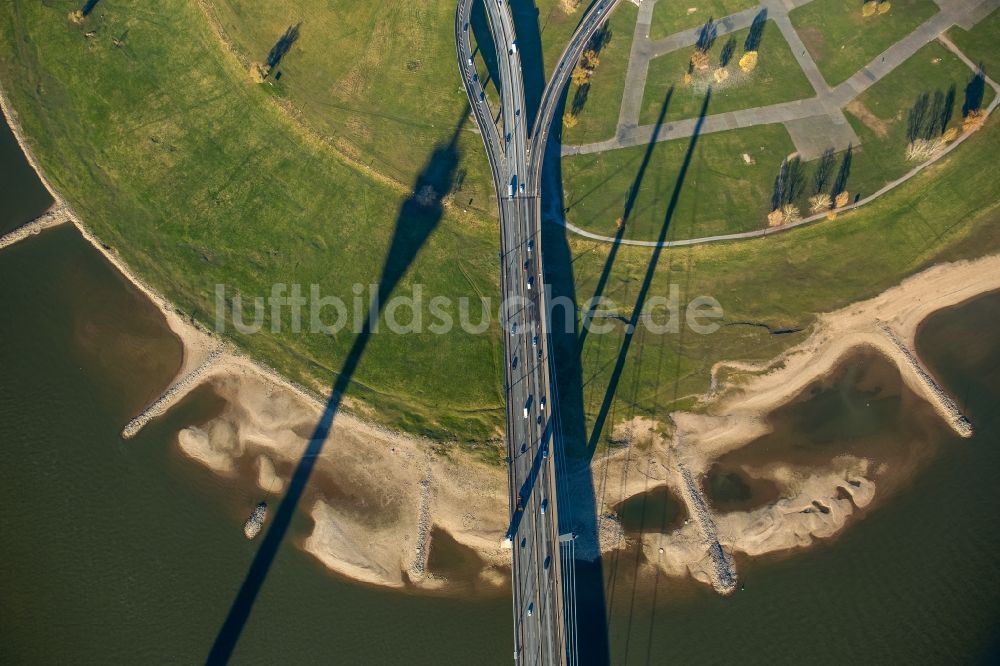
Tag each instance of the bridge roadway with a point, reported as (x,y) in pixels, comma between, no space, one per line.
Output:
(541,634)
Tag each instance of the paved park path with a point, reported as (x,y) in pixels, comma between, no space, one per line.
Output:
(815,123)
(828,102)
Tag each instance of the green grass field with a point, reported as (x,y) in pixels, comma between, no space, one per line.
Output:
(982,43)
(842,41)
(721,193)
(180,163)
(671,17)
(383,86)
(879,114)
(777,78)
(599,116)
(946,213)
(195,177)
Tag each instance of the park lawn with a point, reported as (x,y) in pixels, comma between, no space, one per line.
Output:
(982,43)
(777,78)
(187,170)
(598,118)
(381,81)
(879,115)
(842,41)
(382,86)
(721,194)
(670,17)
(946,213)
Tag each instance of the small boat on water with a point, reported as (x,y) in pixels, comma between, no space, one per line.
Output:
(255,523)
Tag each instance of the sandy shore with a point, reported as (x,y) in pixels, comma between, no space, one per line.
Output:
(817,503)
(375,495)
(269,418)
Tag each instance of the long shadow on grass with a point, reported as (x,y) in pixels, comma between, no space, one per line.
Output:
(647,282)
(417,218)
(591,593)
(633,193)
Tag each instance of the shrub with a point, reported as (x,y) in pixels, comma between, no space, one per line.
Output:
(258,72)
(869,8)
(923,149)
(790,213)
(884,7)
(700,60)
(820,202)
(973,121)
(748,62)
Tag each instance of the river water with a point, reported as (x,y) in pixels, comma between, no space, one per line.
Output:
(119,551)
(22,195)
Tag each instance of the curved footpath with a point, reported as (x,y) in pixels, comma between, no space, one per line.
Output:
(769,231)
(629,134)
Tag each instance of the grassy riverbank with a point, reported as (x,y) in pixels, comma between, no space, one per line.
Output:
(950,211)
(156,136)
(175,159)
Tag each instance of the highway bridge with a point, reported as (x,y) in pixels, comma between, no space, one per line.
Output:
(544,603)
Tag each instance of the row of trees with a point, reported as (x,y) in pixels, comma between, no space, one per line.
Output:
(927,121)
(583,71)
(700,60)
(930,114)
(790,185)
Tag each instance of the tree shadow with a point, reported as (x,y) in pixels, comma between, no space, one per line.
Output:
(726,55)
(88,7)
(824,169)
(756,33)
(843,173)
(707,35)
(974,90)
(283,45)
(601,38)
(417,218)
(580,98)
